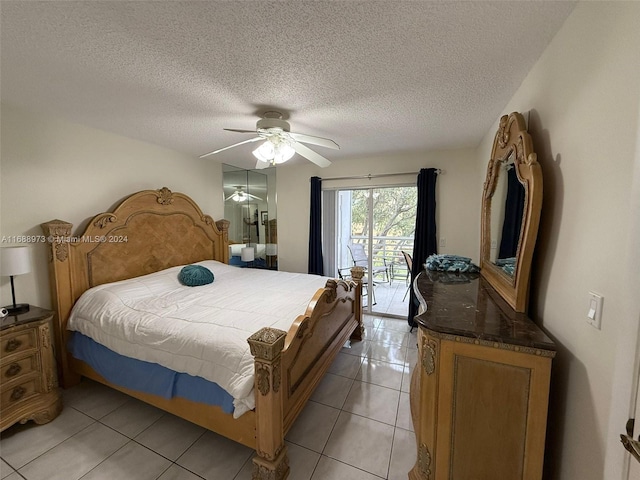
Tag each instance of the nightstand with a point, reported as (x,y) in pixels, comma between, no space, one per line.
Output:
(28,378)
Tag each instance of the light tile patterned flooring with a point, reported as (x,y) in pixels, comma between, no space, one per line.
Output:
(356,426)
(391,299)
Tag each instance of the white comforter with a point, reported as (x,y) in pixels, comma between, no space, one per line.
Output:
(201,330)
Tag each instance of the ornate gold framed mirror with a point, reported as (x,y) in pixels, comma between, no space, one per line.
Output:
(511,203)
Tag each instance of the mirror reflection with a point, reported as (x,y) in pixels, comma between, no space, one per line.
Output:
(507,207)
(250,207)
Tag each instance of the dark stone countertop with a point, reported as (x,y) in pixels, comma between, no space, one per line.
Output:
(34,314)
(466,305)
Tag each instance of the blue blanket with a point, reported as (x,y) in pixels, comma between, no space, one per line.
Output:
(451,263)
(507,264)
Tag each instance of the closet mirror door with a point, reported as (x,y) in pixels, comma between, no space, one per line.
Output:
(250,207)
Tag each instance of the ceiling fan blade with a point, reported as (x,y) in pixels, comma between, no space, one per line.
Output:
(253,196)
(323,142)
(238,130)
(231,146)
(310,155)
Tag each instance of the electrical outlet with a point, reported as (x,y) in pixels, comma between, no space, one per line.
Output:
(443,242)
(594,313)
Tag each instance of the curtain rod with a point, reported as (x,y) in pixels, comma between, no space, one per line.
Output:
(369,176)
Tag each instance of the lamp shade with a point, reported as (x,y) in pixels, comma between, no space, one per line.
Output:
(264,152)
(271,249)
(15,260)
(274,151)
(239,196)
(247,254)
(283,152)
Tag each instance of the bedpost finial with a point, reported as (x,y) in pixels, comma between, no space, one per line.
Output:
(223,225)
(267,343)
(57,228)
(357,273)
(165,196)
(58,234)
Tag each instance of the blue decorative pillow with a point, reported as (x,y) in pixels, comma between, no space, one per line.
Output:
(195,275)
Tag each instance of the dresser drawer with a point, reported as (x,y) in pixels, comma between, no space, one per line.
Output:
(18,342)
(19,392)
(28,379)
(19,367)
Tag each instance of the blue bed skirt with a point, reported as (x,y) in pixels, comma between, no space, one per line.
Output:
(236,261)
(145,376)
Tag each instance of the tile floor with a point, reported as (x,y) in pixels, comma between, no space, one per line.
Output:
(357,426)
(391,299)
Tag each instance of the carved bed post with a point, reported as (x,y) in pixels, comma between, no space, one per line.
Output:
(223,226)
(272,462)
(58,235)
(356,274)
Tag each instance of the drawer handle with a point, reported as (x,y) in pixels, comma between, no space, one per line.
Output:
(13,370)
(12,345)
(18,393)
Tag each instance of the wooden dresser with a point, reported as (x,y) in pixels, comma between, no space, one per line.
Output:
(28,381)
(479,392)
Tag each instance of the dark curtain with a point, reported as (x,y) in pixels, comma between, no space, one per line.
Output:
(513,209)
(315,228)
(425,243)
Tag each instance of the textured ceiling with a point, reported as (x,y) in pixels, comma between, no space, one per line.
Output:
(375,76)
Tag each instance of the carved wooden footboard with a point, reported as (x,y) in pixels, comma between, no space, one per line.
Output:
(156,229)
(289,365)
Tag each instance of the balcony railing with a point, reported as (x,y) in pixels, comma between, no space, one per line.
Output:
(387,250)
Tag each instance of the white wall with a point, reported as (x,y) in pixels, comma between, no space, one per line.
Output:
(583,96)
(54,169)
(458,194)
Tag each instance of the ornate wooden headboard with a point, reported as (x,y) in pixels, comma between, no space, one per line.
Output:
(148,231)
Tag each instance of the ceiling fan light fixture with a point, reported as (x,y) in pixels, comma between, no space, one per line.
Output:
(283,153)
(278,143)
(265,152)
(239,197)
(274,152)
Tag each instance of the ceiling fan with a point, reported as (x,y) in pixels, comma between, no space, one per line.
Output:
(280,144)
(240,195)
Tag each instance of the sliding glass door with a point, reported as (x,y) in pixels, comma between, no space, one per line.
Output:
(372,226)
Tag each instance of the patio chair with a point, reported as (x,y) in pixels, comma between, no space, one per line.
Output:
(360,259)
(409,262)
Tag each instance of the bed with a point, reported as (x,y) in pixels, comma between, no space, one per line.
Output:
(155,230)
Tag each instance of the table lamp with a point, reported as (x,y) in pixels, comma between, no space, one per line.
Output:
(247,255)
(271,249)
(15,261)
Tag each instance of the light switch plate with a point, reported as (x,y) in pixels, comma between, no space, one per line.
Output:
(594,310)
